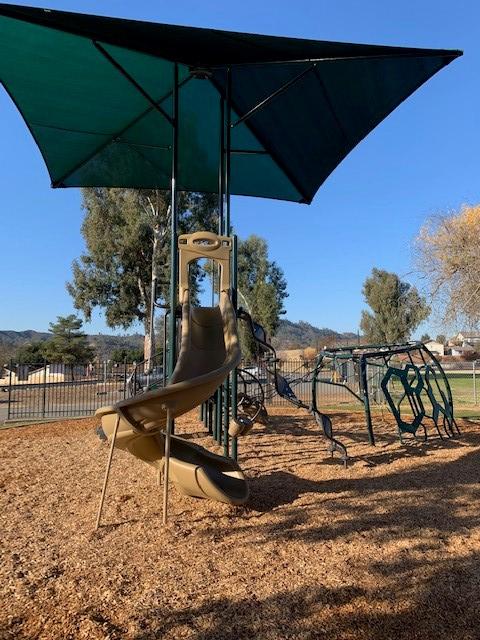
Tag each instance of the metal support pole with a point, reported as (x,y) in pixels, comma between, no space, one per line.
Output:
(226,416)
(214,416)
(166,467)
(231,382)
(474,382)
(233,386)
(125,377)
(218,415)
(228,143)
(222,399)
(212,272)
(107,472)
(172,336)
(210,417)
(165,343)
(9,407)
(153,296)
(173,231)
(313,402)
(221,171)
(366,400)
(205,406)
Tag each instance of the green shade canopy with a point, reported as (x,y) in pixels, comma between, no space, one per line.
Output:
(96,94)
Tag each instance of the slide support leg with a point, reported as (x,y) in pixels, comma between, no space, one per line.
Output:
(107,472)
(166,467)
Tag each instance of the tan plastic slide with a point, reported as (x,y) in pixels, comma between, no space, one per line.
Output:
(209,350)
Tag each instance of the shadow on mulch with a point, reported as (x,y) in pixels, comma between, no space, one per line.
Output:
(387,450)
(272,490)
(441,603)
(420,499)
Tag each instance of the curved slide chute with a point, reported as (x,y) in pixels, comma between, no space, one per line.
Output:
(209,351)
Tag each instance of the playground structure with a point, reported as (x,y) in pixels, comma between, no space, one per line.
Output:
(120,103)
(284,388)
(209,351)
(408,377)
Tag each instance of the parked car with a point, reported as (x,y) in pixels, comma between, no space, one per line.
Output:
(139,381)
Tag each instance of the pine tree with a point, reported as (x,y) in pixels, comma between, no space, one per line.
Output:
(68,344)
(397,308)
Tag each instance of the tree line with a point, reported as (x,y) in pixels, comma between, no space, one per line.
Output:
(447,260)
(68,345)
(127,238)
(127,241)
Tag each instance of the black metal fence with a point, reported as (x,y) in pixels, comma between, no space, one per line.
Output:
(45,390)
(298,374)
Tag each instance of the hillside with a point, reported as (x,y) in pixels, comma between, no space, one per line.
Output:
(17,338)
(298,335)
(291,335)
(104,345)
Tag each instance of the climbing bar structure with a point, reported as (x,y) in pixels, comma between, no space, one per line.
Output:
(407,377)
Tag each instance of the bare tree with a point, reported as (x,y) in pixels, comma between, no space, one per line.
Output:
(448,256)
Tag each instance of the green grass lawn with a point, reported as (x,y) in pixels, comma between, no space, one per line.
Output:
(461,385)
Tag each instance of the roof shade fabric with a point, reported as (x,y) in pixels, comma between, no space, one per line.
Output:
(86,85)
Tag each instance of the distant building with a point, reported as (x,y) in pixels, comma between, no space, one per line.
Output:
(22,374)
(437,348)
(464,350)
(468,338)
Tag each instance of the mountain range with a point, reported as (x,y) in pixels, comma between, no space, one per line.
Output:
(290,335)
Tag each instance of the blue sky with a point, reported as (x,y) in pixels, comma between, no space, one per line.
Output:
(423,159)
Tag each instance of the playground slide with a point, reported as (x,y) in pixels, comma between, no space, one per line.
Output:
(209,350)
(195,471)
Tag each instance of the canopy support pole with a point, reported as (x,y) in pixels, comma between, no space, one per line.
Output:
(234,255)
(172,337)
(221,171)
(228,145)
(222,394)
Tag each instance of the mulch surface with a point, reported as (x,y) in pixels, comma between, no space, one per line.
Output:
(387,548)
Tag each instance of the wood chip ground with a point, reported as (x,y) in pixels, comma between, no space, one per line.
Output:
(388,548)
